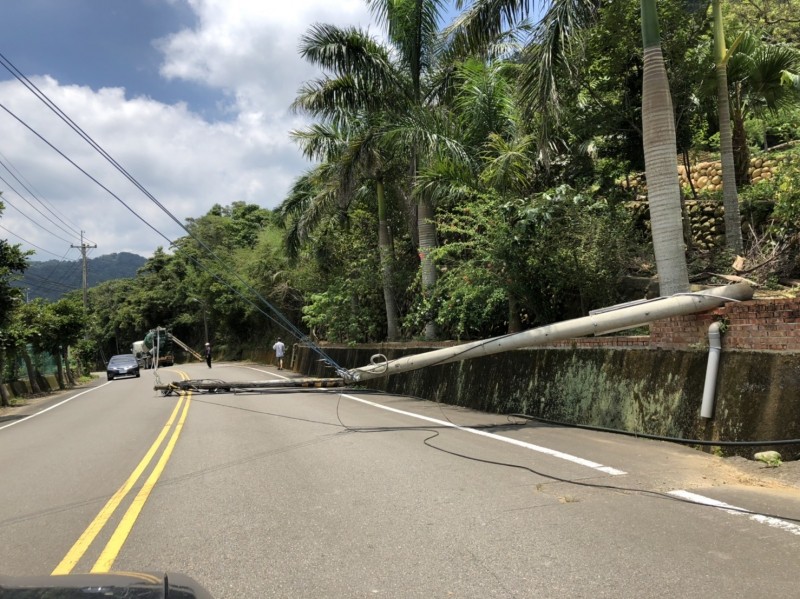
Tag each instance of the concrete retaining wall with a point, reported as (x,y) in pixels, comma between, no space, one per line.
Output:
(22,387)
(643,390)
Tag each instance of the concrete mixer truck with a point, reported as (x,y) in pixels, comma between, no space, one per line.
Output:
(158,343)
(143,355)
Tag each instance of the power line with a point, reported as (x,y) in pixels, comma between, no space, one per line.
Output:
(24,199)
(8,203)
(67,273)
(284,322)
(48,283)
(47,206)
(281,319)
(28,242)
(55,266)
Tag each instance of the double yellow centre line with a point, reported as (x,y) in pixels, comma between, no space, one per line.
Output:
(114,545)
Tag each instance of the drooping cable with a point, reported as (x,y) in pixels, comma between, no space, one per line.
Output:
(47,206)
(28,242)
(8,202)
(680,440)
(281,319)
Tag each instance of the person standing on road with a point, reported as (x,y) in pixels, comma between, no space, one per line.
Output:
(280,350)
(208,354)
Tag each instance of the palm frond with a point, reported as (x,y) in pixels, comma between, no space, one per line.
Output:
(319,141)
(413,29)
(548,58)
(343,50)
(309,200)
(476,28)
(509,164)
(445,182)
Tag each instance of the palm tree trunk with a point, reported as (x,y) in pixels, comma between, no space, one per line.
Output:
(427,243)
(660,157)
(730,198)
(387,266)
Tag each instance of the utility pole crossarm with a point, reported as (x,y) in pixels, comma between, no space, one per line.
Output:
(83,247)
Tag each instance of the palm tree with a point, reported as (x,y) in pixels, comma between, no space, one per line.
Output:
(660,150)
(495,156)
(311,203)
(391,82)
(353,107)
(761,78)
(413,28)
(552,37)
(730,200)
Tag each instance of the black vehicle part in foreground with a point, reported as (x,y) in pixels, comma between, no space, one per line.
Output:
(142,585)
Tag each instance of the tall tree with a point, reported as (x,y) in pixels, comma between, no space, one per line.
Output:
(730,199)
(13,262)
(550,42)
(762,78)
(64,323)
(23,330)
(660,151)
(351,101)
(413,28)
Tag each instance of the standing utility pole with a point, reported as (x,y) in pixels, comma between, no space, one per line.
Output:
(83,247)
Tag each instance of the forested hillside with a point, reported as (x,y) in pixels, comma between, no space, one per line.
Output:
(53,278)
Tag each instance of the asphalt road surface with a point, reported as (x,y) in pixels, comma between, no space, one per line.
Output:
(349,493)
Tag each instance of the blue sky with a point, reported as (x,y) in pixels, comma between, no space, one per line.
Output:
(102,43)
(190,96)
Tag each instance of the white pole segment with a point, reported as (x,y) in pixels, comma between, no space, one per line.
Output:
(626,316)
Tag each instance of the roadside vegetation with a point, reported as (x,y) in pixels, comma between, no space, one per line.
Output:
(475,182)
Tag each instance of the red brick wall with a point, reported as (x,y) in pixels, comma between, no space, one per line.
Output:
(756,325)
(759,325)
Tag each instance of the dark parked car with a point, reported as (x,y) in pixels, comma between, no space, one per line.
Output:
(122,365)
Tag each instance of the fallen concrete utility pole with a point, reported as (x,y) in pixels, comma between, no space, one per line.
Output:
(616,318)
(217,386)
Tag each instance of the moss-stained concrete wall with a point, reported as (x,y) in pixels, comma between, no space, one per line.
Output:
(641,390)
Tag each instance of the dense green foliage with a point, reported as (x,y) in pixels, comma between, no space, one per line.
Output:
(515,157)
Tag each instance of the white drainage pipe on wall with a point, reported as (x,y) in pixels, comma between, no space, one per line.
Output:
(613,319)
(710,387)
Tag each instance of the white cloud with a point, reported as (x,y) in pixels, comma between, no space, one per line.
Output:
(250,50)
(246,49)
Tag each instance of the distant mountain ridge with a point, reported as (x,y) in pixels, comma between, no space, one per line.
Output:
(53,278)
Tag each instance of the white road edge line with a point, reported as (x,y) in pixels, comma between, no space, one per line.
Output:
(737,511)
(546,450)
(266,372)
(53,406)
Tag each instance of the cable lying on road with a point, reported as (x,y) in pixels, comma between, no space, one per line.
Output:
(659,437)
